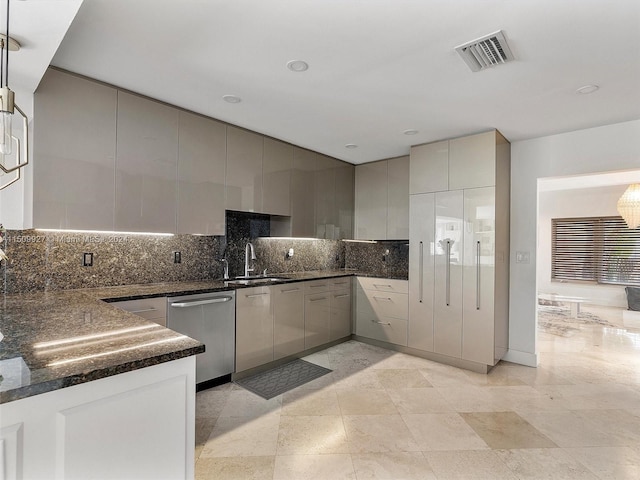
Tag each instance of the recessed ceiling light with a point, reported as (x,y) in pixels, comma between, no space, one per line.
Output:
(351,145)
(297,65)
(231,99)
(587,89)
(410,132)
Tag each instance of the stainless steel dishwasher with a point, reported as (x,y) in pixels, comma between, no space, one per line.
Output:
(211,319)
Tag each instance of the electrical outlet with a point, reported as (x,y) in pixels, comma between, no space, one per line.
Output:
(522,257)
(87,259)
(177,257)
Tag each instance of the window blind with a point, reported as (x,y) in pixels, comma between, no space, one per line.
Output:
(595,249)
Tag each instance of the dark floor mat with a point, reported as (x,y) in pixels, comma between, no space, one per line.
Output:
(281,379)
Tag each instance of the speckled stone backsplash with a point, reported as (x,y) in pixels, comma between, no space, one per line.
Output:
(53,260)
(388,259)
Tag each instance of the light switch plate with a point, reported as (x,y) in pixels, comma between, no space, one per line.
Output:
(87,259)
(522,257)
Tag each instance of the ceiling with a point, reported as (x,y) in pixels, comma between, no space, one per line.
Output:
(376,67)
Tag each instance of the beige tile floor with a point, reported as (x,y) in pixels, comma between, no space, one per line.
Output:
(385,415)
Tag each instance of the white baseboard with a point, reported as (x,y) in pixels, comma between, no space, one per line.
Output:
(521,358)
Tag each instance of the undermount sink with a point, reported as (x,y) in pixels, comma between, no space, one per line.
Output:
(255,280)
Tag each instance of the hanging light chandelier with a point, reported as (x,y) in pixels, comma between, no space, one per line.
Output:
(14,151)
(629,205)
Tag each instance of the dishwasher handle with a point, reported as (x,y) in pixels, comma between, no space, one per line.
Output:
(195,303)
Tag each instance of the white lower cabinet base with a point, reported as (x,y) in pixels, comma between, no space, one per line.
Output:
(137,425)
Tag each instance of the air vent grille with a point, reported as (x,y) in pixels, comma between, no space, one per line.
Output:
(486,51)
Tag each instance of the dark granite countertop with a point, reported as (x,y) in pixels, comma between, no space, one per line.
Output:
(62,338)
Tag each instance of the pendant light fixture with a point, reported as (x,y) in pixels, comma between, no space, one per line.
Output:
(14,151)
(629,205)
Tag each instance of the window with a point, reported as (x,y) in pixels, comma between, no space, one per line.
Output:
(595,249)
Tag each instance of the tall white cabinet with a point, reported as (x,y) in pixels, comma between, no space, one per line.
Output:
(459,242)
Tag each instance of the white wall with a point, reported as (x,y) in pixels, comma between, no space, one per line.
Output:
(583,202)
(593,150)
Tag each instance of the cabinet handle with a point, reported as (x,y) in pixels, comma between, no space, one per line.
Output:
(291,290)
(380,285)
(341,296)
(318,286)
(195,303)
(448,272)
(386,299)
(251,295)
(340,283)
(478,275)
(144,310)
(381,323)
(421,263)
(317,299)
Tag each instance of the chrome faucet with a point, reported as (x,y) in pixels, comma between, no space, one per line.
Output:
(226,268)
(248,250)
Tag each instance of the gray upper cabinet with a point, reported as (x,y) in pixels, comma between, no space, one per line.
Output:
(382,200)
(244,170)
(201,175)
(472,161)
(325,200)
(303,223)
(429,168)
(371,201)
(74,153)
(398,198)
(344,204)
(146,165)
(277,163)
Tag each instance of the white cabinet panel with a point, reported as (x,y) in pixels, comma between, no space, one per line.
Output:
(472,161)
(421,270)
(244,170)
(479,275)
(371,201)
(398,198)
(74,153)
(429,168)
(447,328)
(277,163)
(146,165)
(201,175)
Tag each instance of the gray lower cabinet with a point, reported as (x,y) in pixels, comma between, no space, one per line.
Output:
(288,319)
(254,327)
(340,308)
(317,314)
(382,309)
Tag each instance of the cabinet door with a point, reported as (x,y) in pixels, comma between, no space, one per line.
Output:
(325,190)
(472,161)
(370,324)
(244,170)
(146,165)
(316,319)
(276,177)
(478,275)
(429,168)
(421,270)
(341,306)
(448,248)
(398,198)
(288,320)
(201,171)
(371,201)
(303,223)
(74,153)
(345,178)
(254,328)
